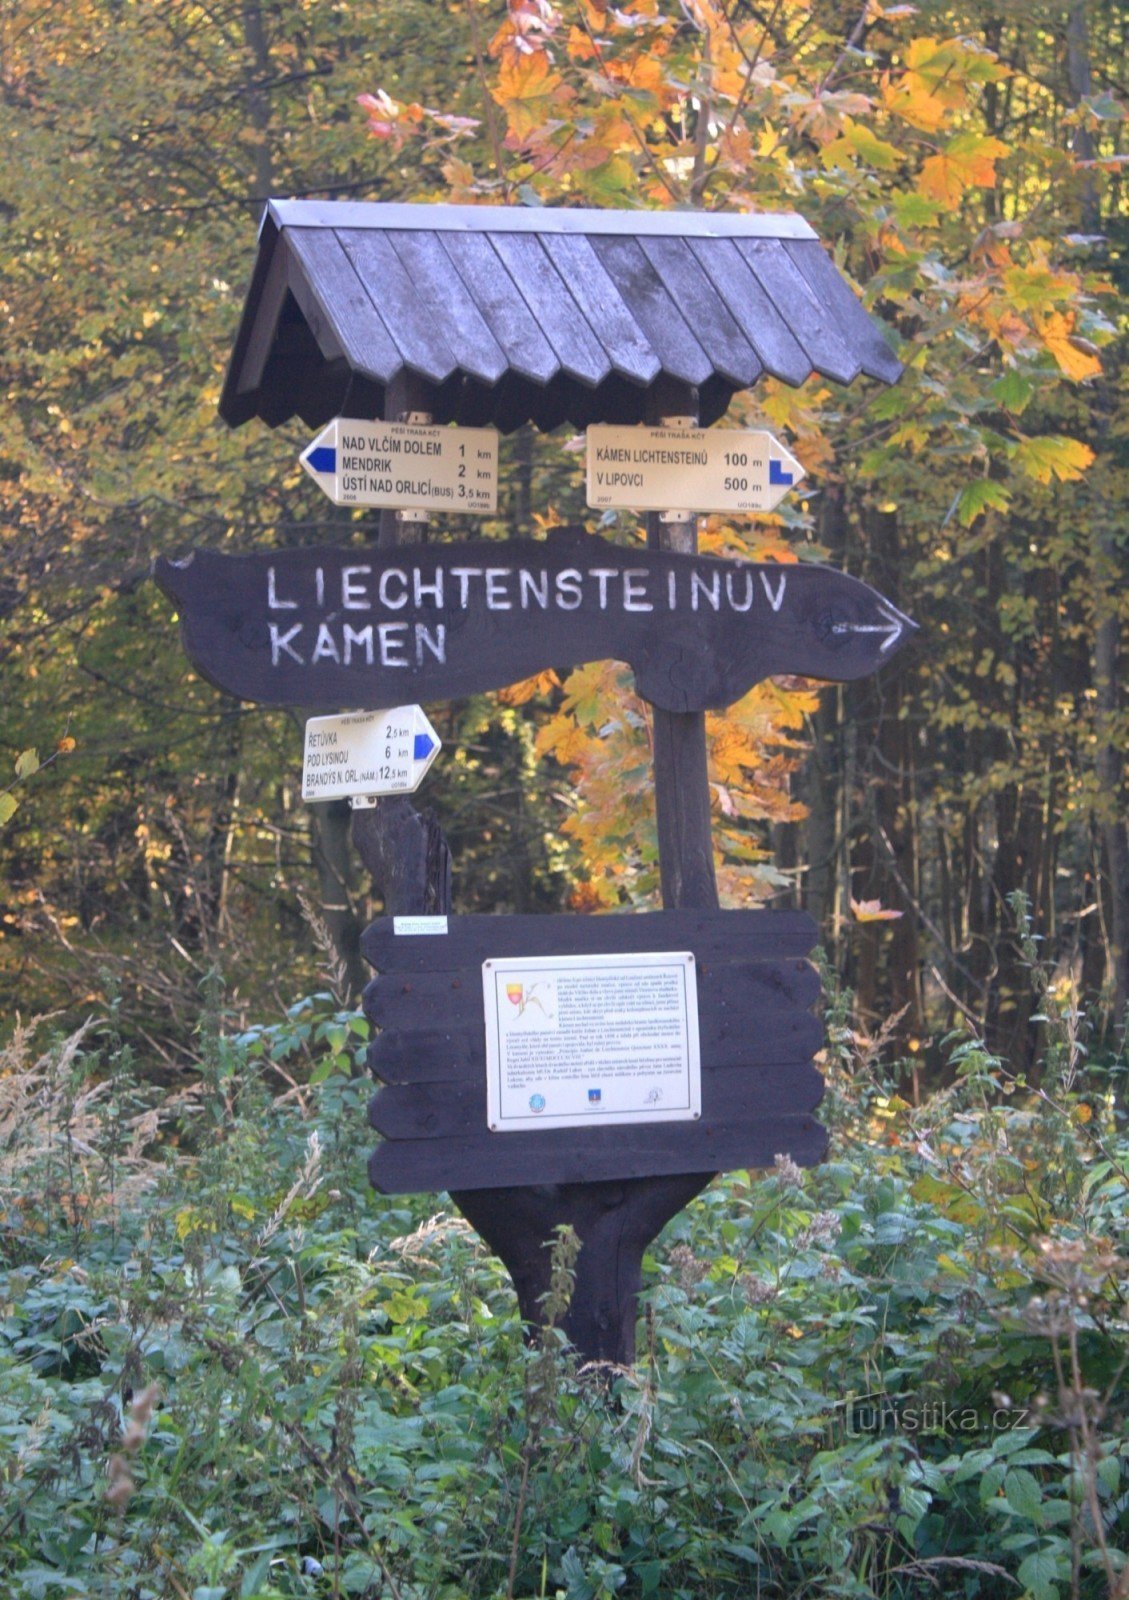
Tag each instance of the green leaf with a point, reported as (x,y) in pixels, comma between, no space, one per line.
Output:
(27,762)
(913,210)
(1037,1574)
(982,494)
(1013,391)
(872,149)
(1023,1495)
(8,807)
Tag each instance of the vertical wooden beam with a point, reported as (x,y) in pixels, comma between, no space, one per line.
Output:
(617,1221)
(682,790)
(404,849)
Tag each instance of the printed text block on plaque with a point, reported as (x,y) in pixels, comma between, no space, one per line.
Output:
(697,469)
(591,1039)
(405,464)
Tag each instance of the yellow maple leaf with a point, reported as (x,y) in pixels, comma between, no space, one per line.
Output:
(528,90)
(1049,456)
(967,162)
(930,88)
(1077,358)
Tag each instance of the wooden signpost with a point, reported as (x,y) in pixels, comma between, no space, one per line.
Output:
(324,627)
(593,1072)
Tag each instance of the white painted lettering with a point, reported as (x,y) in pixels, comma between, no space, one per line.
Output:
(392,643)
(711,590)
(601,575)
(393,575)
(672,589)
(273,602)
(777,599)
(281,641)
(362,638)
(497,597)
(635,589)
(435,642)
(464,575)
(435,590)
(326,646)
(319,583)
(354,596)
(528,585)
(569,592)
(730,579)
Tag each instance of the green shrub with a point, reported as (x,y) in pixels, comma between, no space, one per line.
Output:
(228,1370)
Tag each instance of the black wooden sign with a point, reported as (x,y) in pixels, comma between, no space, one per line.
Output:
(757,1039)
(328,628)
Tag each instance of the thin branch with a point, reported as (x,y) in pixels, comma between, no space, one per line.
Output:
(487,100)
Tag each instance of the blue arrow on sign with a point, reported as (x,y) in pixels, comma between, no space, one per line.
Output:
(322,458)
(422,747)
(776,473)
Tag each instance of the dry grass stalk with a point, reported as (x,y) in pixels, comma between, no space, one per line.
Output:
(333,968)
(46,1120)
(120,1485)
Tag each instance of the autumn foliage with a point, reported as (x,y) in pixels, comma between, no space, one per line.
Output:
(964,166)
(960,181)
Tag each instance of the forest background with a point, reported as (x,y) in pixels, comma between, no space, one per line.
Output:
(963,163)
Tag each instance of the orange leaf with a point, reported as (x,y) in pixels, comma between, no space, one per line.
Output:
(1076,357)
(518,694)
(967,162)
(580,46)
(872,911)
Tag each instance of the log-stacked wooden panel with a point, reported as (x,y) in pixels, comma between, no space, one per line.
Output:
(757,1034)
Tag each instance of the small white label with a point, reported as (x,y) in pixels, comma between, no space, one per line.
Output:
(419,925)
(367,753)
(598,1039)
(710,469)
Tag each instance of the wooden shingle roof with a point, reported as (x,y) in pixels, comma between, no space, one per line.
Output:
(518,314)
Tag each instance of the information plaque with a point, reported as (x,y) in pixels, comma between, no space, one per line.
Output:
(591,1039)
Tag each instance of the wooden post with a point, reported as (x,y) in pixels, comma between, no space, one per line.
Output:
(404,849)
(682,791)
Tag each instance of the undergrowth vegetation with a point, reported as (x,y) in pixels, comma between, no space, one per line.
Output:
(227,1369)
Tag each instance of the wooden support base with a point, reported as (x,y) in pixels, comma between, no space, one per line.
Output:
(615,1222)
